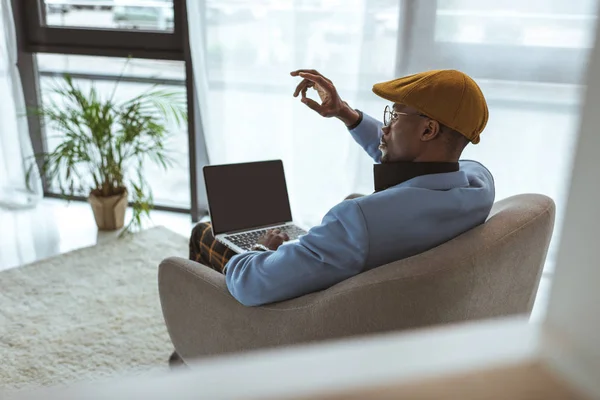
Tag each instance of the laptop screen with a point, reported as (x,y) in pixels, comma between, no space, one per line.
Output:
(246,195)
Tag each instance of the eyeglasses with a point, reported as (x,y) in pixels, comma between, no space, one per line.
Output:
(390,115)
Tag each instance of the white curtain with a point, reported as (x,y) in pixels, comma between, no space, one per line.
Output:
(15,146)
(529,58)
(243,54)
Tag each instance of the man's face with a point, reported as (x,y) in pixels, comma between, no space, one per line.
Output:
(402,139)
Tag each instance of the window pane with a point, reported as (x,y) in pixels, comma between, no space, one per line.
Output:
(252,42)
(150,15)
(112,66)
(170,187)
(535,100)
(539,23)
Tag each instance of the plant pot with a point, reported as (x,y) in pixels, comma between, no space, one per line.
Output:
(109,211)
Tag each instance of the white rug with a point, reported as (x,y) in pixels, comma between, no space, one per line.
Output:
(86,315)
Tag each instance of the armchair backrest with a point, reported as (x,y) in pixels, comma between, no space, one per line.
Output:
(490,271)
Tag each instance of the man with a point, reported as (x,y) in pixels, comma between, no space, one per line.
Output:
(423,196)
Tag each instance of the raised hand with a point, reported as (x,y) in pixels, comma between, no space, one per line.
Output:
(331,103)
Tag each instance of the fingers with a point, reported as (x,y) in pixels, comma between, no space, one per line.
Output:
(313,105)
(302,86)
(276,234)
(298,71)
(325,83)
(273,234)
(311,77)
(310,71)
(273,239)
(304,92)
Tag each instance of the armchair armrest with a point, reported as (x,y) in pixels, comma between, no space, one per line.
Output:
(195,303)
(204,319)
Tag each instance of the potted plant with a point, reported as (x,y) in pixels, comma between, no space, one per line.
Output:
(105,145)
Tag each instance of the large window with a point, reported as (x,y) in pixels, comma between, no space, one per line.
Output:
(529,58)
(170,187)
(251,47)
(140,43)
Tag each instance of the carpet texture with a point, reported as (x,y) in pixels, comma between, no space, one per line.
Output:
(86,315)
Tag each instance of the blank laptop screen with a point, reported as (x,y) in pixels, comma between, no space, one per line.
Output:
(245,196)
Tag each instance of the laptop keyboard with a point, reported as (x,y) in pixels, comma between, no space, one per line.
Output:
(246,240)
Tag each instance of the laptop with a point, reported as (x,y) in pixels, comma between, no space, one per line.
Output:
(246,200)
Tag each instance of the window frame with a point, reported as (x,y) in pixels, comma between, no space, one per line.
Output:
(34,37)
(101,41)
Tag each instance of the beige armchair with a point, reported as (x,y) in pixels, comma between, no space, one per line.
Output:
(492,270)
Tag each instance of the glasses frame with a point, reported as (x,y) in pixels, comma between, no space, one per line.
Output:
(390,115)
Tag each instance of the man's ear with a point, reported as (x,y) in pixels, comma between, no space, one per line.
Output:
(431,131)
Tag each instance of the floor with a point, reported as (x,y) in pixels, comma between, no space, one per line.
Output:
(56,227)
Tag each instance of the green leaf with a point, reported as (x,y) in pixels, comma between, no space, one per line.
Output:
(105,145)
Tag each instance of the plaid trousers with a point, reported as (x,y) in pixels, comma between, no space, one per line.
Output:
(206,250)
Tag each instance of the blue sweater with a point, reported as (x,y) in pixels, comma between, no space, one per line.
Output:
(360,234)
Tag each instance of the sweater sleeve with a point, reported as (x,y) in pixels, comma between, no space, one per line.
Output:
(368,134)
(330,253)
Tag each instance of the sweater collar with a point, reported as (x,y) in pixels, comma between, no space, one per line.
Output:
(392,174)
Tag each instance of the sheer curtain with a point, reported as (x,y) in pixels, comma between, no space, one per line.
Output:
(15,145)
(529,58)
(243,53)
